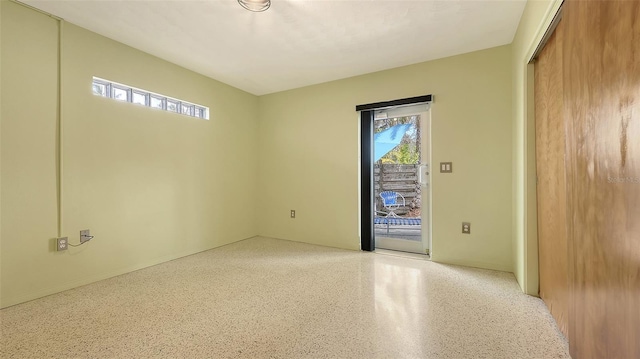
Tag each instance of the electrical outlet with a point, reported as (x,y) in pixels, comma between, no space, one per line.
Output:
(293,213)
(62,244)
(466,227)
(85,235)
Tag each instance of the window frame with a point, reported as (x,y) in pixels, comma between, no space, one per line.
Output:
(194,110)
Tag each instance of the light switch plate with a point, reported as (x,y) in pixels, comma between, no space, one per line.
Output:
(446,167)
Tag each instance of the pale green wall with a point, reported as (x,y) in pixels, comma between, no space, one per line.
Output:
(151,185)
(308,153)
(28,192)
(154,186)
(535,20)
(0,152)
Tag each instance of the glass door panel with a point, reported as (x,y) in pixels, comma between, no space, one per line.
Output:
(401,177)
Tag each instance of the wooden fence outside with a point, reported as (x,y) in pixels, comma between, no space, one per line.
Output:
(399,178)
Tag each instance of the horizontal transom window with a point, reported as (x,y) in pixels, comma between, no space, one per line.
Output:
(125,93)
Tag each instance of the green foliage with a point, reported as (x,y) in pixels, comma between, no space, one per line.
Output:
(407,152)
(404,154)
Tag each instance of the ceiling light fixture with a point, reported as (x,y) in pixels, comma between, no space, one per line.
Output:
(255,5)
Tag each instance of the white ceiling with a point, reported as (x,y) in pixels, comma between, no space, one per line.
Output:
(296,42)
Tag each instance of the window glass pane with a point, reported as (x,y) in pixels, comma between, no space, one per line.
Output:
(139,98)
(187,109)
(100,89)
(126,93)
(119,94)
(172,105)
(157,102)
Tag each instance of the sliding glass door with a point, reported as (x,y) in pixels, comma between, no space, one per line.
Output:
(381,210)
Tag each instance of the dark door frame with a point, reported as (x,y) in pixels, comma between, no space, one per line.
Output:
(367,234)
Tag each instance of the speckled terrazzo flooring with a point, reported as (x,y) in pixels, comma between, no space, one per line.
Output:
(267,298)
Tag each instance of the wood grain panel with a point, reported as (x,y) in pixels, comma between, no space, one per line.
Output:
(551,187)
(602,114)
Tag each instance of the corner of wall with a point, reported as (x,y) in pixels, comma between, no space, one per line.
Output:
(187,185)
(536,18)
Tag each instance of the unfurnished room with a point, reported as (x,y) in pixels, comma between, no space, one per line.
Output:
(320,179)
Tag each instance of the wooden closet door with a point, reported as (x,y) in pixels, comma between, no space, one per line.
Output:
(602,112)
(551,187)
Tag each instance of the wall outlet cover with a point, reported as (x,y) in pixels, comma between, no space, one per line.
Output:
(466,227)
(85,235)
(62,244)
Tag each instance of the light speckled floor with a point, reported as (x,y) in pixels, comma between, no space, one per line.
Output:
(266,298)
